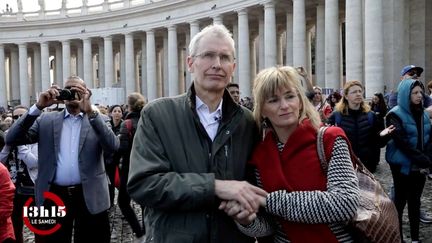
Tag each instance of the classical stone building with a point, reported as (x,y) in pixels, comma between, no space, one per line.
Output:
(141,45)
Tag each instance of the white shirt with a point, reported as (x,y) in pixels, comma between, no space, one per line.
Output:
(210,121)
(67,170)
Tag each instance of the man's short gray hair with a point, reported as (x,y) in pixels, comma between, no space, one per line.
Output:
(216,30)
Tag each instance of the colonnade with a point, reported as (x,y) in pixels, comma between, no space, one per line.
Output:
(151,59)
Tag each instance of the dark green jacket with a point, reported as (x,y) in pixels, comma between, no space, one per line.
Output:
(174,164)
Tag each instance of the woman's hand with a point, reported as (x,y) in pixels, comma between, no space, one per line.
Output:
(237,212)
(387,131)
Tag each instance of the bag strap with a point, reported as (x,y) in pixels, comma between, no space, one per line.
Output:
(322,156)
(128,124)
(321,150)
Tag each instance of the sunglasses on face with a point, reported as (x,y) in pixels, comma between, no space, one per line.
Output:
(16,117)
(412,73)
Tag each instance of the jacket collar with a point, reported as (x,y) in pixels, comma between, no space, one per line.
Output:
(229,107)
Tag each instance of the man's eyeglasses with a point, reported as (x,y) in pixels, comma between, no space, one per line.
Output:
(211,56)
(16,117)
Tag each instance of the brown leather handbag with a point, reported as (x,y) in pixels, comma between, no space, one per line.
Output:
(376,219)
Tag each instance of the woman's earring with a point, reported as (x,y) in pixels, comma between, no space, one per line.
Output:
(264,128)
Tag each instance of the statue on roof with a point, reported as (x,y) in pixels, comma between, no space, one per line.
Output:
(41,4)
(20,6)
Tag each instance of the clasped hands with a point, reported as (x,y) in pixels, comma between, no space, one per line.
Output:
(240,200)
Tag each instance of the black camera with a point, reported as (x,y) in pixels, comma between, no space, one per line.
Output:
(66,94)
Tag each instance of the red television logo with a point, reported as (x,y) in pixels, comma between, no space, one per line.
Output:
(38,215)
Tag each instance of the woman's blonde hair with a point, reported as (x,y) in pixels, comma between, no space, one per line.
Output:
(269,80)
(342,105)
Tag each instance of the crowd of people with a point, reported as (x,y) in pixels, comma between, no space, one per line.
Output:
(210,166)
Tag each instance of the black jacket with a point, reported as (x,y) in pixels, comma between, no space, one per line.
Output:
(363,135)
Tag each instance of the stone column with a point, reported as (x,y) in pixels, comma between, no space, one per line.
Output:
(261,59)
(130,65)
(59,65)
(45,67)
(320,47)
(243,53)
(23,75)
(332,48)
(269,34)
(94,68)
(354,40)
(101,65)
(87,61)
(66,61)
(217,19)
(144,66)
(194,29)
(299,33)
(14,75)
(122,65)
(235,77)
(309,53)
(164,67)
(188,78)
(374,80)
(3,91)
(159,69)
(151,66)
(253,61)
(419,32)
(80,60)
(173,67)
(137,61)
(289,39)
(37,71)
(108,62)
(181,70)
(279,48)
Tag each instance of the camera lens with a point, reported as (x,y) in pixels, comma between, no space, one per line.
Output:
(66,94)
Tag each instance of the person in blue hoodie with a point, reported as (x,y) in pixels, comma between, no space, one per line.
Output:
(408,152)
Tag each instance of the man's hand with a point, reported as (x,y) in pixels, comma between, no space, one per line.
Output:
(48,97)
(247,195)
(85,103)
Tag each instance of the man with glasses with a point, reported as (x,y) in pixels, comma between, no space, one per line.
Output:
(190,152)
(71,145)
(408,72)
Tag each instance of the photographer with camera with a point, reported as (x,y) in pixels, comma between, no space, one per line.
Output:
(71,165)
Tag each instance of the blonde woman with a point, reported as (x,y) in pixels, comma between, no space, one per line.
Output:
(360,124)
(304,204)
